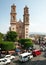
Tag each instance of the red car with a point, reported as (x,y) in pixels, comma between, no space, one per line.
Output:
(36,52)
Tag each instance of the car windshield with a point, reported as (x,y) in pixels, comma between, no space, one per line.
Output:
(25,56)
(4,60)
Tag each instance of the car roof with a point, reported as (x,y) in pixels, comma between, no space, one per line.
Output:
(8,55)
(2,58)
(24,54)
(36,50)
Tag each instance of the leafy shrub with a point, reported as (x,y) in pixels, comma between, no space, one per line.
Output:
(26,43)
(7,45)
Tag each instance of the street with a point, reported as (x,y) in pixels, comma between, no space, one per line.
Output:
(38,60)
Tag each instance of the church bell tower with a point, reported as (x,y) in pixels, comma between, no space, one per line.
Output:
(26,22)
(13,18)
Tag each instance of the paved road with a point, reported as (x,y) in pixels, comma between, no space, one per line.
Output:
(39,60)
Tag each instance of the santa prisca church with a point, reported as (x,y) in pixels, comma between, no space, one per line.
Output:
(21,27)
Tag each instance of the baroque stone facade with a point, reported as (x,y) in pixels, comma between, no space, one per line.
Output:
(22,28)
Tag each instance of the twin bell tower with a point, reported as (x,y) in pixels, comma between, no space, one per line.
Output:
(21,27)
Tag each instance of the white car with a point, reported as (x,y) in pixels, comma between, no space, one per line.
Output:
(4,61)
(10,57)
(31,56)
(7,61)
(42,48)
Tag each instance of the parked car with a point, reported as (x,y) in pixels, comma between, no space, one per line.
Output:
(36,52)
(10,57)
(8,61)
(4,61)
(42,48)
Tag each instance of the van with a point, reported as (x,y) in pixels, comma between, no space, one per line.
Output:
(25,56)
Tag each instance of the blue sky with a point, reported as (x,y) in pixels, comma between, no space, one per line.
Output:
(37,11)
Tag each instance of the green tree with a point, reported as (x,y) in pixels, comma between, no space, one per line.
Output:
(1,36)
(11,36)
(5,45)
(26,43)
